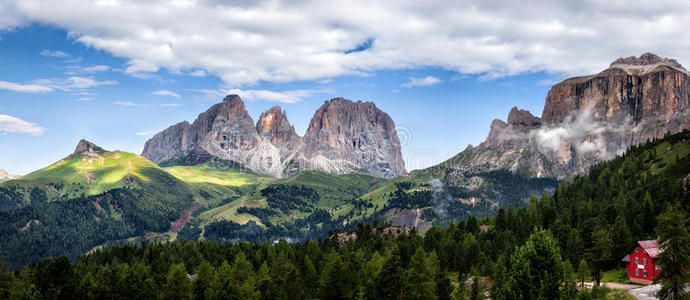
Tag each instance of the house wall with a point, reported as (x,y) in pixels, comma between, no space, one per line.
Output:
(637,259)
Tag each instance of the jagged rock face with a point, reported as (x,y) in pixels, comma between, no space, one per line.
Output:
(272,147)
(591,118)
(351,135)
(507,147)
(275,125)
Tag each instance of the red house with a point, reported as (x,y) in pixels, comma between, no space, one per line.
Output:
(642,262)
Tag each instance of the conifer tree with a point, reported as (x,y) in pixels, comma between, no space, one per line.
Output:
(674,239)
(420,277)
(177,285)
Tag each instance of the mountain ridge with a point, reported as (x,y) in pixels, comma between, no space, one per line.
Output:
(589,119)
(343,137)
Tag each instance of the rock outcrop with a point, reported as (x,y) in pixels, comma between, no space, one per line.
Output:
(343,137)
(589,119)
(85,146)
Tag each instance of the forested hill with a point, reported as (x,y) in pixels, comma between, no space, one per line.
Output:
(527,253)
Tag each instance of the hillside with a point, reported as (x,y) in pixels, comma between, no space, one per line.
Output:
(90,197)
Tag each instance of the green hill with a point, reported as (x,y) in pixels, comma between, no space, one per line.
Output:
(86,199)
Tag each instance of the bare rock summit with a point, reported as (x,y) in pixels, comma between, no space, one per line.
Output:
(343,137)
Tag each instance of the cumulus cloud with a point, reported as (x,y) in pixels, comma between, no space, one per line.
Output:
(56,53)
(146,133)
(166,93)
(426,81)
(311,40)
(97,68)
(292,96)
(10,124)
(585,135)
(73,83)
(127,103)
(24,88)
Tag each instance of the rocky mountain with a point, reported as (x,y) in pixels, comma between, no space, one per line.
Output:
(7,176)
(589,119)
(343,137)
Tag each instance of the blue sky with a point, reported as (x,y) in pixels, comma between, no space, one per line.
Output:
(434,121)
(115,72)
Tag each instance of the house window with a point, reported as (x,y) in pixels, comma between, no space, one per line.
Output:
(644,261)
(657,268)
(637,249)
(637,260)
(637,272)
(644,273)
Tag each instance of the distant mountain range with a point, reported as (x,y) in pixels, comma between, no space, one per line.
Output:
(224,177)
(343,137)
(7,176)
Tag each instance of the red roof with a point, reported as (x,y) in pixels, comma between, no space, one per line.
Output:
(651,247)
(626,258)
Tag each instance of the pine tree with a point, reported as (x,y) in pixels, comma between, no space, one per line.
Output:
(420,277)
(243,278)
(221,287)
(674,239)
(622,239)
(536,269)
(600,253)
(177,285)
(203,279)
(569,285)
(583,271)
(391,279)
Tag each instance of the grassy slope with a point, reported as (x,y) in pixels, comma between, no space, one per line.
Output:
(334,191)
(213,186)
(78,175)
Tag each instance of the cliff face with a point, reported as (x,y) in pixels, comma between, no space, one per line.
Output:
(589,119)
(352,135)
(343,137)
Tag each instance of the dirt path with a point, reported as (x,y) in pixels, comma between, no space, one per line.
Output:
(645,292)
(614,285)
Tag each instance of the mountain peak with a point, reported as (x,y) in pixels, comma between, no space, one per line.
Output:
(274,124)
(86,146)
(232,98)
(522,117)
(646,60)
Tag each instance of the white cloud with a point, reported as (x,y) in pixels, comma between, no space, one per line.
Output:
(309,40)
(73,83)
(56,53)
(24,88)
(426,81)
(84,99)
(10,124)
(146,133)
(170,105)
(292,96)
(166,93)
(127,103)
(97,68)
